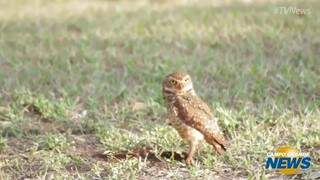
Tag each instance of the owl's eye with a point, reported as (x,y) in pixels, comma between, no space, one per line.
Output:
(186,80)
(173,82)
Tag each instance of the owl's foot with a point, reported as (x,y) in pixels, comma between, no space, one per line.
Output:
(189,161)
(192,150)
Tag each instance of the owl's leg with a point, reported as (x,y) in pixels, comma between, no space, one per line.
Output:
(193,145)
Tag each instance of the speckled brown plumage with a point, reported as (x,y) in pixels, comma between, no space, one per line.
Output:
(195,113)
(189,115)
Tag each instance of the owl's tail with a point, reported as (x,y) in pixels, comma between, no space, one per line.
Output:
(217,141)
(220,148)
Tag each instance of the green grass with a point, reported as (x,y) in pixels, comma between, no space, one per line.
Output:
(81,86)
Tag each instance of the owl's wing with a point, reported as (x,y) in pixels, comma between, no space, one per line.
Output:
(199,104)
(195,113)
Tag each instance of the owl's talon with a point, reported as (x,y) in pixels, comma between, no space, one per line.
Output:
(189,161)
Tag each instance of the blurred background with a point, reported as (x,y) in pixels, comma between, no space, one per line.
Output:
(92,70)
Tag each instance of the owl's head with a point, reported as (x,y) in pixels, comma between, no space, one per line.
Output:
(177,83)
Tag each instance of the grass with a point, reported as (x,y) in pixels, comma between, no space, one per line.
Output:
(81,86)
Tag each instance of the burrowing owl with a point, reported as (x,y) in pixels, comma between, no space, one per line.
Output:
(189,115)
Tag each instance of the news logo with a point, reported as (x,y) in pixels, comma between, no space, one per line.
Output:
(287,160)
